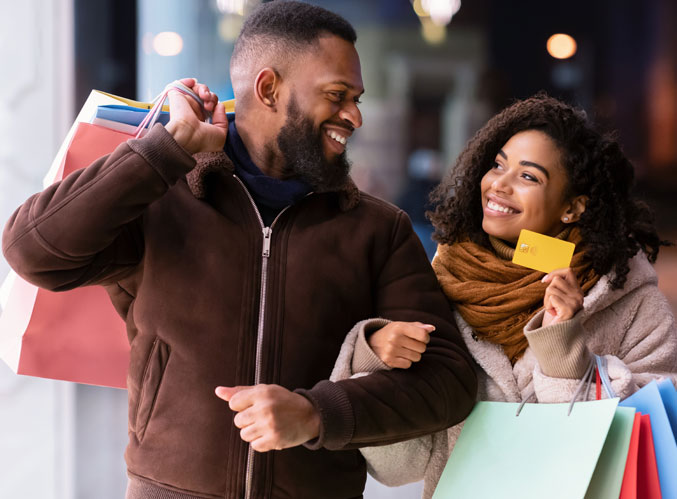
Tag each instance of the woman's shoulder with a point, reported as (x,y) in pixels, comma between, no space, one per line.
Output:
(641,279)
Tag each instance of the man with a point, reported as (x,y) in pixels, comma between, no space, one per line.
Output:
(244,270)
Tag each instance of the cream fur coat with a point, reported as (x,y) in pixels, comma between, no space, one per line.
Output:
(632,327)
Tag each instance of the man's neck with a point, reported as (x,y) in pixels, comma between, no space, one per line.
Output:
(260,151)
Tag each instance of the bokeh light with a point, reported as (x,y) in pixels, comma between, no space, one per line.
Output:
(168,43)
(561,46)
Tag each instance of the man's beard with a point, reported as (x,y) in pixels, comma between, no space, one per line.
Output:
(301,146)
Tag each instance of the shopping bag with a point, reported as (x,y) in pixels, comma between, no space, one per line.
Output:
(575,450)
(648,400)
(640,480)
(74,335)
(669,398)
(542,452)
(609,471)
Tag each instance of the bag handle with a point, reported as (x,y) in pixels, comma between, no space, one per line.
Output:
(597,368)
(154,113)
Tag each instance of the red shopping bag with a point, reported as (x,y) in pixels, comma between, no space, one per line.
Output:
(74,335)
(640,480)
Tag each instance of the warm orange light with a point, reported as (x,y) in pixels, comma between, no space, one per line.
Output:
(561,46)
(168,43)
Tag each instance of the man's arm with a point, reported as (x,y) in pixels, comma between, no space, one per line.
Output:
(434,393)
(85,229)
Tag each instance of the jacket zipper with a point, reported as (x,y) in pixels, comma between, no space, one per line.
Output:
(265,255)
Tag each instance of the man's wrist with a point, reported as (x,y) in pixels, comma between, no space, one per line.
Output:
(181,133)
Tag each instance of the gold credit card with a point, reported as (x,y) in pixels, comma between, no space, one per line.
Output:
(543,253)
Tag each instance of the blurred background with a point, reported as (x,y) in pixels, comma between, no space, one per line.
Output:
(434,72)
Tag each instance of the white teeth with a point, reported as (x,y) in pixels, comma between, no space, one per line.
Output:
(497,207)
(338,138)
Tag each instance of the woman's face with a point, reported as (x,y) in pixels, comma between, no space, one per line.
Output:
(525,188)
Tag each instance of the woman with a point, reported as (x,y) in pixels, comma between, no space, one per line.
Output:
(537,165)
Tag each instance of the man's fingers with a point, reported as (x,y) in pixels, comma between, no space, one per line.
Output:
(229,394)
(219,117)
(251,433)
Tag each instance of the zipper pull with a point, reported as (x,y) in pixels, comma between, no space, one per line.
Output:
(267,233)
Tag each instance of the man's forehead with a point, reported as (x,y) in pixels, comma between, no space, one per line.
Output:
(333,61)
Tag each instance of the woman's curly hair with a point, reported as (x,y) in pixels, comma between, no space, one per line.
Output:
(614,225)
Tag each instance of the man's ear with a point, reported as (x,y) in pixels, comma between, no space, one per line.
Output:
(575,209)
(267,87)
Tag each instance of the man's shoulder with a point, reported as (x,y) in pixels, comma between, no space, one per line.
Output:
(375,204)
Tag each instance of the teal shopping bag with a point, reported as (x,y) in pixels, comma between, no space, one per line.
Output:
(541,452)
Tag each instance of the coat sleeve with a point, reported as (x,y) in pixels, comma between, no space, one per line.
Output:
(86,228)
(390,406)
(395,464)
(641,345)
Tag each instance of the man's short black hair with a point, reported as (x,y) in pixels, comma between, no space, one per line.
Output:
(296,21)
(290,26)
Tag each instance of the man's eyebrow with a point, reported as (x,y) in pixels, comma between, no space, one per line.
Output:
(346,84)
(527,163)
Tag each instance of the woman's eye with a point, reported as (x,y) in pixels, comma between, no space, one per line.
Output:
(357,100)
(497,165)
(529,177)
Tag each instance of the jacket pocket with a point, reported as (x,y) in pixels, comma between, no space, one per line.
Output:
(150,385)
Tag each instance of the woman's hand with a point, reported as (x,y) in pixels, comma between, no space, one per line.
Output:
(398,344)
(186,122)
(563,297)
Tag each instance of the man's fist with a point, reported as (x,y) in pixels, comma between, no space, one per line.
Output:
(186,121)
(271,417)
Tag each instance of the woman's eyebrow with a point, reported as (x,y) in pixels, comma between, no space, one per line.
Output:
(526,163)
(536,165)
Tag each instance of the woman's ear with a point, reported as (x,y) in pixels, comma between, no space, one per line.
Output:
(575,209)
(266,87)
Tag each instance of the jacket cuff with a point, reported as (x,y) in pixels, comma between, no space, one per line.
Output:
(559,348)
(337,421)
(364,358)
(163,153)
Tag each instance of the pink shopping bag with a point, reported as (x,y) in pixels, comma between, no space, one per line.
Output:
(74,335)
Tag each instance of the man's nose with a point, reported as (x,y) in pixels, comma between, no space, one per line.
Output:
(351,113)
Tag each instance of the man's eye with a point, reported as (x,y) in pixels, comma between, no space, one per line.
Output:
(338,96)
(357,100)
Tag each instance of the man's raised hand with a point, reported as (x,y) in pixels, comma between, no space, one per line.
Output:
(186,121)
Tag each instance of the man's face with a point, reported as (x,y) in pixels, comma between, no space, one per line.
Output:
(321,114)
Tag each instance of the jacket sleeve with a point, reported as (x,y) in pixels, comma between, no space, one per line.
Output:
(395,464)
(86,229)
(390,406)
(645,347)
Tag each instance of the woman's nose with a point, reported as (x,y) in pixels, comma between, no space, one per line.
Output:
(502,183)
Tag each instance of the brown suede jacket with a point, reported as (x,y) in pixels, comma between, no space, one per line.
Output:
(211,297)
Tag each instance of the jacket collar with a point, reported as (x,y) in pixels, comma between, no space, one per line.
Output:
(215,164)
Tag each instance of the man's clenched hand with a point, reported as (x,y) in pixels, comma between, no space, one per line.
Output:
(271,417)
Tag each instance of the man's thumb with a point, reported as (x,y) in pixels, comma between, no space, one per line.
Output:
(226,392)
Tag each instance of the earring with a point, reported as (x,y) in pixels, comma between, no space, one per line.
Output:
(565,219)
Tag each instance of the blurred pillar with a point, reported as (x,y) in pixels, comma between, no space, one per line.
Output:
(36,54)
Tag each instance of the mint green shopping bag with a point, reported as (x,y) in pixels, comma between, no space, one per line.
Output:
(542,452)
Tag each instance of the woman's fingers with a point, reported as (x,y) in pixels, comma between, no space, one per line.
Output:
(399,344)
